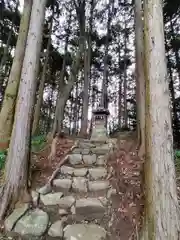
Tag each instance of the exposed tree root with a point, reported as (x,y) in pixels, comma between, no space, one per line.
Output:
(11,198)
(53,149)
(62,162)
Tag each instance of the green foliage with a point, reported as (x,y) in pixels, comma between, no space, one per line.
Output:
(2,158)
(177,162)
(38,139)
(38,142)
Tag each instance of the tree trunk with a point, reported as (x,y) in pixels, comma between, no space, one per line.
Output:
(60,105)
(175,119)
(16,181)
(75,110)
(42,82)
(161,209)
(6,49)
(175,51)
(87,67)
(8,105)
(61,99)
(64,93)
(125,76)
(140,81)
(119,89)
(104,97)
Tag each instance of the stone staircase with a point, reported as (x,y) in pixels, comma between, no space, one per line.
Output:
(78,204)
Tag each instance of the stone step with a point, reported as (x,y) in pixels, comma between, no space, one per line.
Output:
(90,149)
(94,173)
(56,229)
(66,201)
(89,206)
(81,184)
(87,159)
(77,202)
(84,232)
(34,223)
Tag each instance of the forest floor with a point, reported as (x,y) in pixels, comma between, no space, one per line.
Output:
(126,178)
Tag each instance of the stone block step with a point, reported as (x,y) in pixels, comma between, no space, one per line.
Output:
(89,206)
(34,222)
(84,232)
(66,201)
(91,173)
(91,148)
(88,159)
(56,229)
(51,198)
(82,184)
(98,185)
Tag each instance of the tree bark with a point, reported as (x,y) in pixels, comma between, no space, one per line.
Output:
(62,90)
(125,73)
(64,94)
(104,95)
(175,119)
(8,105)
(175,51)
(140,81)
(17,172)
(75,111)
(6,49)
(87,69)
(161,209)
(119,89)
(42,82)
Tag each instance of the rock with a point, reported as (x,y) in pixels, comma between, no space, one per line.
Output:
(63,212)
(63,183)
(35,196)
(89,159)
(86,206)
(89,208)
(73,210)
(80,172)
(75,159)
(85,151)
(98,185)
(77,151)
(97,173)
(103,200)
(45,189)
(56,229)
(84,232)
(51,198)
(67,170)
(100,150)
(101,160)
(81,151)
(86,145)
(79,184)
(111,191)
(33,223)
(66,202)
(15,215)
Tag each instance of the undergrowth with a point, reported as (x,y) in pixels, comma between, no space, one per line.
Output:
(177,162)
(37,143)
